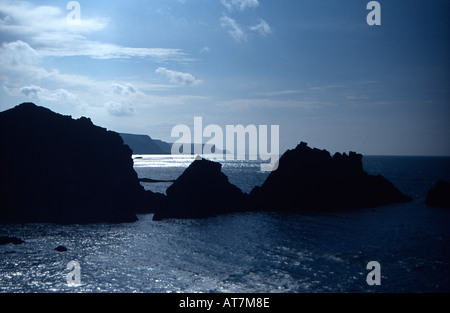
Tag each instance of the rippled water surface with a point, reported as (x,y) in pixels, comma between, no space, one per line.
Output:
(248,252)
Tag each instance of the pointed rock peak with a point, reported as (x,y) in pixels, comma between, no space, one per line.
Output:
(302,146)
(204,165)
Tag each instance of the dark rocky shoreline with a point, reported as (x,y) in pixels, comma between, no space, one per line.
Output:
(82,173)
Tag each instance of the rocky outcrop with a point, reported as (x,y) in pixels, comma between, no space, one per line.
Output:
(439,195)
(310,179)
(201,191)
(60,249)
(307,180)
(62,170)
(4,240)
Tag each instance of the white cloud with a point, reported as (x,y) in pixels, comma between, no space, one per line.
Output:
(233,28)
(30,33)
(82,47)
(27,17)
(22,77)
(126,90)
(20,66)
(17,53)
(44,95)
(45,28)
(240,4)
(239,33)
(179,78)
(123,98)
(263,28)
(119,108)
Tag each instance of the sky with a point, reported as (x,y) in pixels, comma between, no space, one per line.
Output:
(315,68)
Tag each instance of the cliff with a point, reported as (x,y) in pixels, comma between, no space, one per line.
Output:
(61,170)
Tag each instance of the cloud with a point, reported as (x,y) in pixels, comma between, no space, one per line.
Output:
(17,53)
(233,28)
(119,109)
(20,66)
(239,4)
(263,28)
(44,95)
(97,50)
(30,33)
(31,91)
(125,90)
(239,33)
(45,28)
(179,78)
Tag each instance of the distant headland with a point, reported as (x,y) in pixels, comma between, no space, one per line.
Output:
(144,144)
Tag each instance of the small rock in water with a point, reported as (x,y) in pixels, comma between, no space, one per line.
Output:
(439,195)
(4,240)
(61,249)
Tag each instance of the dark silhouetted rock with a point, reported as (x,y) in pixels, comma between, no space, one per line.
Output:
(4,240)
(439,195)
(149,201)
(150,180)
(201,191)
(61,249)
(60,170)
(312,180)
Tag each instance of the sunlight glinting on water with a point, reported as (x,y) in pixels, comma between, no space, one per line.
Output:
(182,160)
(147,160)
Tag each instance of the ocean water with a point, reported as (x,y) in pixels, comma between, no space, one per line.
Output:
(246,252)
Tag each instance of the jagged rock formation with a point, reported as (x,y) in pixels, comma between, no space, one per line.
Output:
(439,195)
(201,191)
(311,179)
(307,180)
(61,170)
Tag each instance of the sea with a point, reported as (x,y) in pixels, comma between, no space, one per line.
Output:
(258,252)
